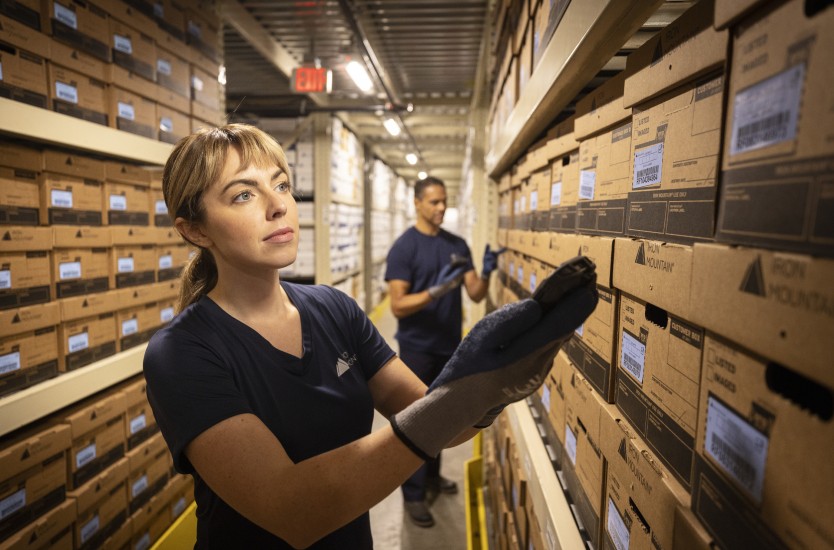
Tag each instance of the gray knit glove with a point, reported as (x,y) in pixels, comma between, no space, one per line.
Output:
(504,358)
(448,279)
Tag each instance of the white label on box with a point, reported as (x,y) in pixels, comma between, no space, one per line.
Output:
(546,397)
(143,543)
(570,444)
(5,278)
(179,506)
(10,362)
(556,193)
(633,356)
(532,282)
(767,113)
(166,261)
(534,200)
(580,330)
(194,29)
(166,124)
(138,424)
(648,166)
(166,314)
(12,503)
(60,199)
(122,44)
(523,205)
(196,83)
(616,527)
(738,447)
(66,92)
(78,342)
(66,16)
(512,269)
(163,66)
(85,456)
(159,10)
(159,207)
(1,71)
(520,275)
(118,202)
(69,270)
(138,486)
(125,265)
(130,326)
(89,529)
(126,111)
(587,183)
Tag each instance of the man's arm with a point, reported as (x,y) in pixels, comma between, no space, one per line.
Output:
(476,287)
(404,304)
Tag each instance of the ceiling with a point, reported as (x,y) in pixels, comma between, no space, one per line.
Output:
(419,53)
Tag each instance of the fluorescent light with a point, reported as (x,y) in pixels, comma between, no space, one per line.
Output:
(422,175)
(411,158)
(359,75)
(392,126)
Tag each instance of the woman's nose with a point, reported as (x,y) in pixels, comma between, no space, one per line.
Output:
(277,204)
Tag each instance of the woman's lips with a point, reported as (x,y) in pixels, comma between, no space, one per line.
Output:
(284,235)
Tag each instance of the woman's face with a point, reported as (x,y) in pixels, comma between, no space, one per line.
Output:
(250,217)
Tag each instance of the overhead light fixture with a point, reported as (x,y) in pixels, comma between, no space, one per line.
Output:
(359,75)
(422,175)
(392,126)
(411,158)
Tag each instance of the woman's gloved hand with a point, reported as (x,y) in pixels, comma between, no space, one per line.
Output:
(504,358)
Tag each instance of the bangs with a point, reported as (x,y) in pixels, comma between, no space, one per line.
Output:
(257,148)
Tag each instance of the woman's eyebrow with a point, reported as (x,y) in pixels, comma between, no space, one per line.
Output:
(250,182)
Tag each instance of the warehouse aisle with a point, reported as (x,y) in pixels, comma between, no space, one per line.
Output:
(391,528)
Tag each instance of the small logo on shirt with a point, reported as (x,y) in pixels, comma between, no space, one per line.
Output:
(344,363)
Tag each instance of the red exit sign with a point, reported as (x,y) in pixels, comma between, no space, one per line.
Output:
(311,80)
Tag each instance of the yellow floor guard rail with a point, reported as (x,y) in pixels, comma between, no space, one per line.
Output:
(182,533)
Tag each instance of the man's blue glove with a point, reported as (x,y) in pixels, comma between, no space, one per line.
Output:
(448,279)
(504,358)
(490,261)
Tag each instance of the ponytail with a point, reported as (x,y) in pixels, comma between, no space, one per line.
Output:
(198,278)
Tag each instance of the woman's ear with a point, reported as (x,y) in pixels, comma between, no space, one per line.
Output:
(192,233)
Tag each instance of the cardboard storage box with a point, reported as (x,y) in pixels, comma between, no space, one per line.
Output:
(158,209)
(641,496)
(171,261)
(123,172)
(148,471)
(779,132)
(85,341)
(23,76)
(24,35)
(133,265)
(88,305)
(25,319)
(79,61)
(170,16)
(126,204)
(583,466)
(58,161)
(101,505)
(136,325)
(202,32)
(19,196)
(24,278)
(173,125)
(690,533)
(133,50)
(150,522)
(80,271)
(132,113)
(133,235)
(34,474)
(564,182)
(80,236)
(25,158)
(603,129)
(765,439)
(205,89)
(675,146)
(140,422)
(776,304)
(53,530)
(28,358)
(81,26)
(77,95)
(173,72)
(658,379)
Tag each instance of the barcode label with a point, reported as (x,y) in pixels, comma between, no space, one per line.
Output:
(126,111)
(66,92)
(78,342)
(10,362)
(159,10)
(163,66)
(89,529)
(546,397)
(556,193)
(5,278)
(587,183)
(534,201)
(65,16)
(739,448)
(125,265)
(616,527)
(516,206)
(580,330)
(166,314)
(122,44)
(166,261)
(523,204)
(648,163)
(160,208)
(532,282)
(143,543)
(131,326)
(179,506)
(570,444)
(196,83)
(520,275)
(137,424)
(633,356)
(12,503)
(118,202)
(767,113)
(139,486)
(69,270)
(60,199)
(166,124)
(1,71)
(85,456)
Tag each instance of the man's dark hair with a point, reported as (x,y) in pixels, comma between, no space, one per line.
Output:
(420,185)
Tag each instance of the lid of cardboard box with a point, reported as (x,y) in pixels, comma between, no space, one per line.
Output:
(728,12)
(17,156)
(94,490)
(24,238)
(127,173)
(686,49)
(24,319)
(33,447)
(602,108)
(71,164)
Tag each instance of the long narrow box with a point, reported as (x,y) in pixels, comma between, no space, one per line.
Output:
(30,357)
(139,420)
(765,440)
(148,471)
(101,505)
(24,267)
(83,26)
(68,200)
(23,77)
(85,341)
(19,196)
(78,95)
(52,530)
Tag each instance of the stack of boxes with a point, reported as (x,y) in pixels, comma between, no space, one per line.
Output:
(149,68)
(96,475)
(693,408)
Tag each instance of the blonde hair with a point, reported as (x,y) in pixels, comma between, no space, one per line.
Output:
(195,164)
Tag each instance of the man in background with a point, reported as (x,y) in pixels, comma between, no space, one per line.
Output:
(426,267)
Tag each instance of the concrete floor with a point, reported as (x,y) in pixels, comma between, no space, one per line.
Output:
(392,529)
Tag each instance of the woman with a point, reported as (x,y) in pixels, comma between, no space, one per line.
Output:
(265,390)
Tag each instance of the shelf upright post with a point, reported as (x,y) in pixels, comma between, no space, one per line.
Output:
(322,150)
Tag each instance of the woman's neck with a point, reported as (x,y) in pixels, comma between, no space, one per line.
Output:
(247,297)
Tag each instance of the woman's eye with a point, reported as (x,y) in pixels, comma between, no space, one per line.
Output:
(283,186)
(242,197)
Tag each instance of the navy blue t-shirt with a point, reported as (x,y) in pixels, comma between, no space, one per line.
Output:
(417,258)
(206,366)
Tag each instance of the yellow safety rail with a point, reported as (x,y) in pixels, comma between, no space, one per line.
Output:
(182,533)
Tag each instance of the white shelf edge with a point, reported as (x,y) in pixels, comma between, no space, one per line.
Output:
(45,126)
(31,404)
(543,486)
(588,36)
